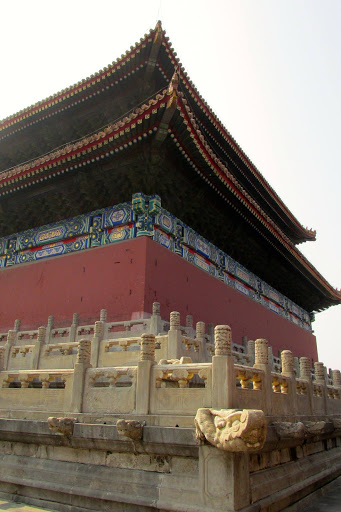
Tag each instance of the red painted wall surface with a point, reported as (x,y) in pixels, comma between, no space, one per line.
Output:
(110,277)
(126,278)
(178,285)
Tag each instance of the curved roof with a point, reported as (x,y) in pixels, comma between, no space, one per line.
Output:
(166,116)
(176,116)
(155,50)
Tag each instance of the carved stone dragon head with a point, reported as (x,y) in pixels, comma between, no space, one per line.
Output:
(232,429)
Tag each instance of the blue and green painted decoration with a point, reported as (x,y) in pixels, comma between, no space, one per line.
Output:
(144,216)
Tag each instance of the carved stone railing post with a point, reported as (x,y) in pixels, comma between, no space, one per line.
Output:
(200,331)
(319,373)
(2,358)
(200,337)
(50,325)
(305,368)
(261,353)
(271,359)
(103,319)
(74,325)
(103,315)
(41,339)
(305,374)
(288,370)
(223,381)
(174,321)
(155,320)
(95,344)
(287,359)
(144,366)
(189,326)
(320,378)
(296,366)
(17,323)
(336,376)
(262,363)
(11,340)
(81,365)
(210,332)
(251,351)
(174,345)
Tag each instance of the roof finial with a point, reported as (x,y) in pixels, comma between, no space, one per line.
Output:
(158,33)
(174,83)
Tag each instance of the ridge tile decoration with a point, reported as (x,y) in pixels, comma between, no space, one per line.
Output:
(144,216)
(154,49)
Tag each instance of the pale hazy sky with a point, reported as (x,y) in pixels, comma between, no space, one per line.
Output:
(270,70)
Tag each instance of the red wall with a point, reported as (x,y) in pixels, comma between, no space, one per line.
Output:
(110,277)
(178,285)
(126,278)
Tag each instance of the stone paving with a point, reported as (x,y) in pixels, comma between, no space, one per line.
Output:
(330,502)
(327,499)
(20,507)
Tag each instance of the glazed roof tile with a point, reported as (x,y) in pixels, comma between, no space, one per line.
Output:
(125,65)
(144,121)
(309,234)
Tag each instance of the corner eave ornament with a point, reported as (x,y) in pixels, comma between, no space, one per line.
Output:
(232,430)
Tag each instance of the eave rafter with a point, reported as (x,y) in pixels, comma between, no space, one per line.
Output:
(244,198)
(154,52)
(306,234)
(155,117)
(129,130)
(105,78)
(80,91)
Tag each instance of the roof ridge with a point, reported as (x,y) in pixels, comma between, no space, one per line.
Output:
(87,82)
(5,122)
(68,147)
(293,249)
(97,137)
(221,128)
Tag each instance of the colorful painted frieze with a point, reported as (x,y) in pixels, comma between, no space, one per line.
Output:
(178,239)
(96,230)
(117,234)
(117,216)
(189,237)
(242,288)
(145,217)
(274,307)
(59,231)
(145,209)
(163,239)
(166,221)
(56,249)
(3,245)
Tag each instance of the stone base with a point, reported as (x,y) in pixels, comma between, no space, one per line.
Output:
(96,470)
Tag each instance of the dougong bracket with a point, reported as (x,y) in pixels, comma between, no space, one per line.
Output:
(145,209)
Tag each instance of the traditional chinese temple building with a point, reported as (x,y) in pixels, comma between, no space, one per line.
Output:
(125,189)
(126,212)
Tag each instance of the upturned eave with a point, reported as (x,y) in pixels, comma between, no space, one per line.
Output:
(147,53)
(168,113)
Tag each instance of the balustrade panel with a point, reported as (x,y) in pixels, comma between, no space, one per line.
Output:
(110,390)
(180,388)
(36,390)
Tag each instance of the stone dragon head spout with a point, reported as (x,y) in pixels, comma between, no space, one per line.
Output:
(231,429)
